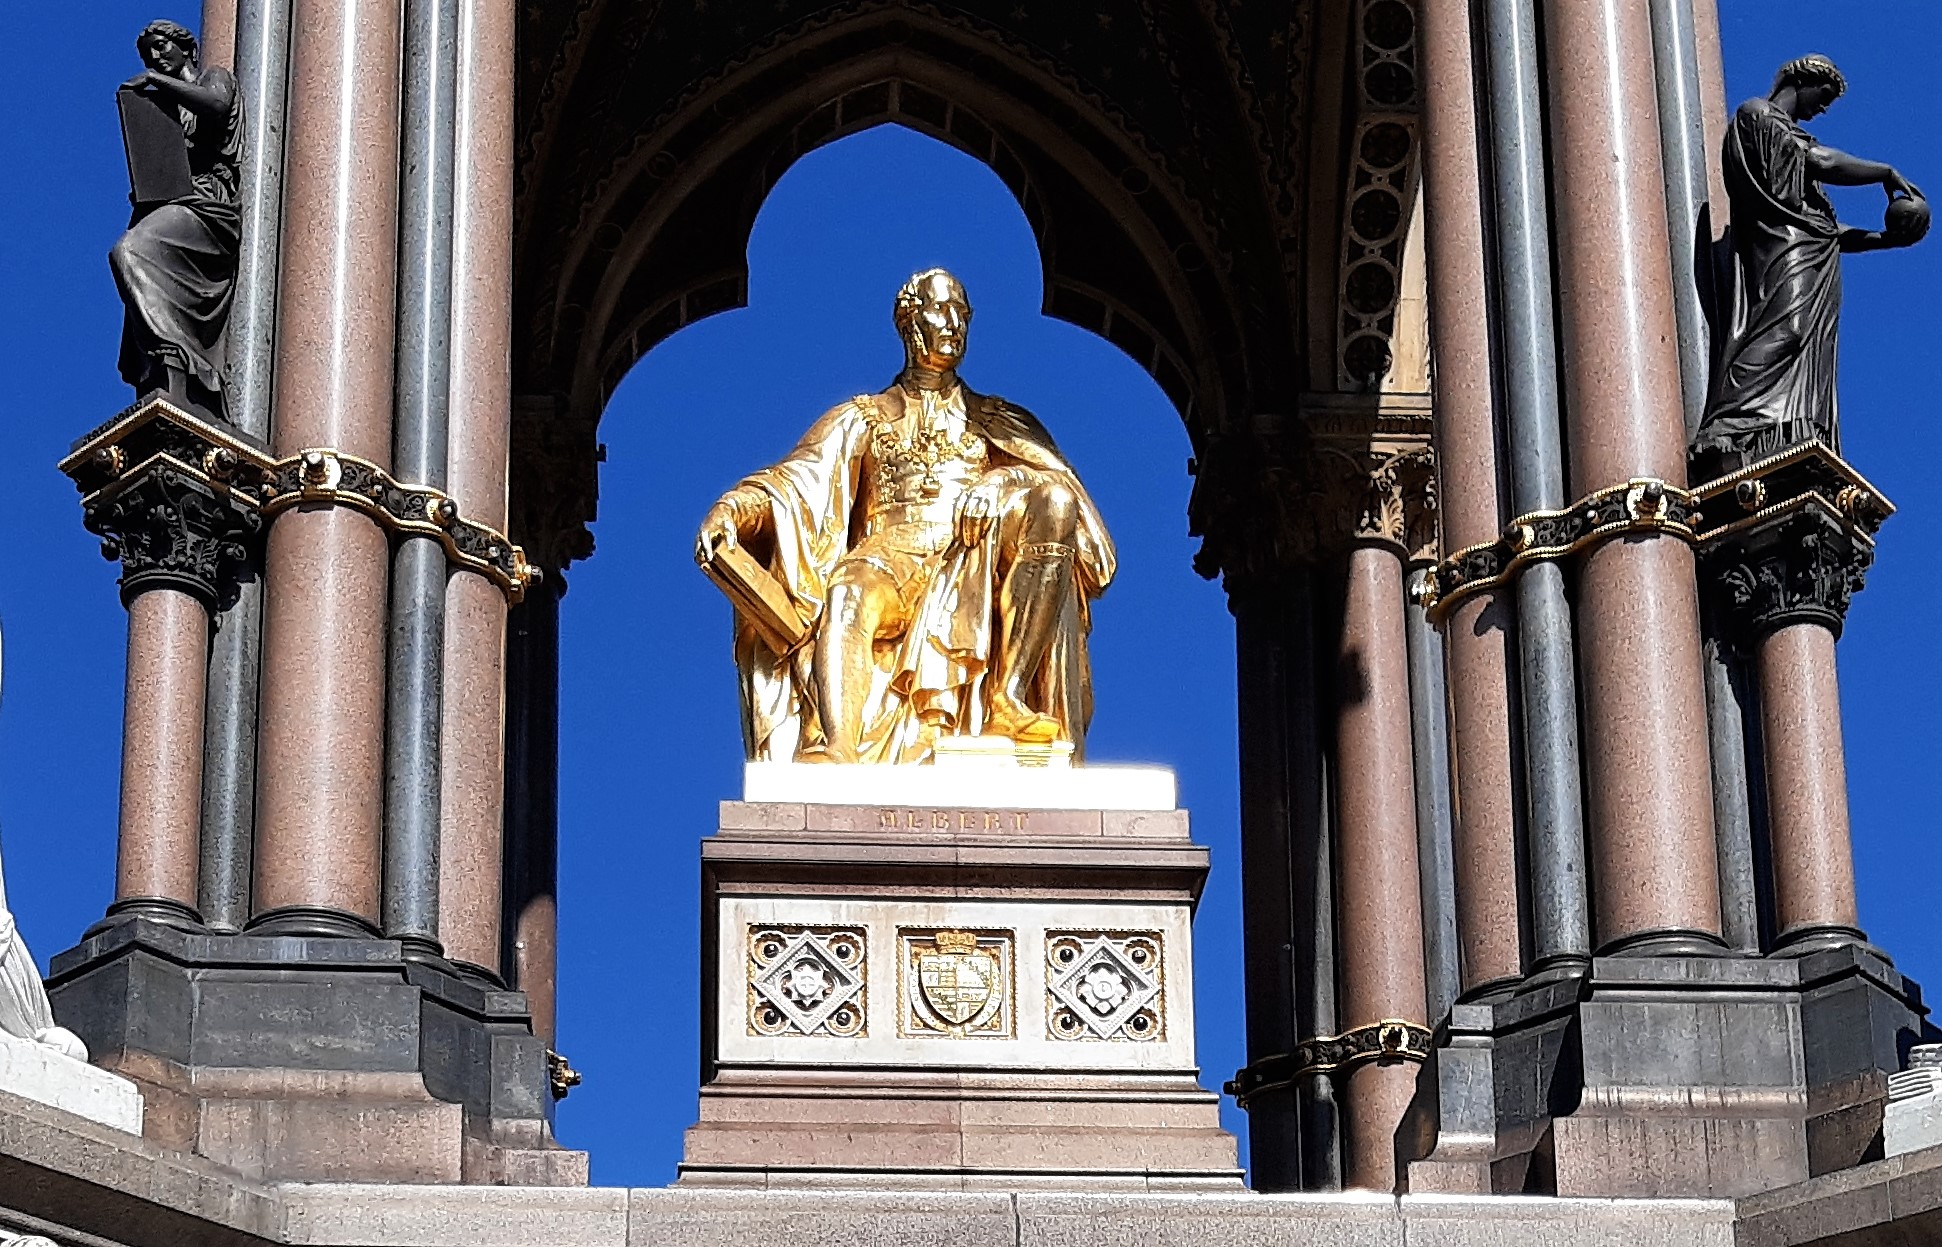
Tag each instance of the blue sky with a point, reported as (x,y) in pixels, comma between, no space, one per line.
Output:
(649,741)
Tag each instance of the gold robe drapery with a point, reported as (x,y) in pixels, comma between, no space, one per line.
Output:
(930,680)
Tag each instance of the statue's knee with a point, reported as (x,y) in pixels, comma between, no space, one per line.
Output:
(856,592)
(1055,506)
(123,255)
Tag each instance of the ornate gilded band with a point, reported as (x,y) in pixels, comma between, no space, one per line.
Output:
(1391,1039)
(1804,476)
(561,1077)
(158,438)
(1642,504)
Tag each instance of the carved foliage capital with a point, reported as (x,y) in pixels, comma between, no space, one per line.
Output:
(1391,493)
(170,529)
(1296,492)
(555,482)
(1804,566)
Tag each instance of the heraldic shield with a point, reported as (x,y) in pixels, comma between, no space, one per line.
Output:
(956,983)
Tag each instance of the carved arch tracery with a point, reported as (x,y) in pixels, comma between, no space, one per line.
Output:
(1164,151)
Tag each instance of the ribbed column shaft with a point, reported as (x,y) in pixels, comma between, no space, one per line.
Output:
(1682,142)
(321,757)
(1271,670)
(1476,636)
(216,40)
(418,571)
(1380,931)
(472,810)
(1692,111)
(1650,785)
(1710,70)
(1429,723)
(530,956)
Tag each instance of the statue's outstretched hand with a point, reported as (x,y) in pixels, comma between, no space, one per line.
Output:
(1896,185)
(717,530)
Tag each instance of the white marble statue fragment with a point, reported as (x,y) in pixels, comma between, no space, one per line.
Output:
(24,1011)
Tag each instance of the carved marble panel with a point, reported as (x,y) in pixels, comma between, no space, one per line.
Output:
(959,984)
(807,981)
(1104,985)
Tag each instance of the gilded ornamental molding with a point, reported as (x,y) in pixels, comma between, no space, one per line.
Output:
(1391,1039)
(182,500)
(1789,537)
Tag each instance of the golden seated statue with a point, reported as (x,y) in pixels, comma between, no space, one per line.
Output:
(918,569)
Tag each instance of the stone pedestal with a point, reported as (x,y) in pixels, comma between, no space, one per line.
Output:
(1670,1076)
(36,1072)
(316,1060)
(993,992)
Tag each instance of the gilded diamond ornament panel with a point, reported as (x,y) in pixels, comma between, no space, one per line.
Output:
(1104,985)
(806,981)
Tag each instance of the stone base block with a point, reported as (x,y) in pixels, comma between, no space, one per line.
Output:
(316,1060)
(36,1072)
(334,1140)
(1010,1131)
(1670,1076)
(1912,1125)
(1675,1154)
(943,998)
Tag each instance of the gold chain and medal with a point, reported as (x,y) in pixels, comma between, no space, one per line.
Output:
(930,445)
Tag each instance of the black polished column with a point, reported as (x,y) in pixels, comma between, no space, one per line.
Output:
(530,924)
(418,570)
(229,715)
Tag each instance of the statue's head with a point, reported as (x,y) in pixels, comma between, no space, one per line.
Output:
(1814,82)
(167,47)
(933,317)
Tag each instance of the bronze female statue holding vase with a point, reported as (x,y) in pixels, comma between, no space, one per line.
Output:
(1774,385)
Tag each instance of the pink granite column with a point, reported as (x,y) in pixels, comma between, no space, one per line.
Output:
(161,757)
(1807,788)
(326,568)
(1650,781)
(1476,634)
(216,41)
(1712,105)
(472,804)
(1379,932)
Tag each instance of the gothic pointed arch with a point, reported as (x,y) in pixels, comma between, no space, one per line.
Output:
(1159,148)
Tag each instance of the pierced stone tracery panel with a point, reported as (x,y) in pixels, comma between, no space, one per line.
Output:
(807,981)
(1380,192)
(1104,985)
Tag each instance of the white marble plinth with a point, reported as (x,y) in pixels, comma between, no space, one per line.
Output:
(1912,1120)
(969,784)
(926,976)
(36,1072)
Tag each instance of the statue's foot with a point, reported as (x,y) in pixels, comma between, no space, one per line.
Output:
(63,1041)
(1024,725)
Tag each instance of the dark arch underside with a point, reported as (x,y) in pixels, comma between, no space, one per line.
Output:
(1160,150)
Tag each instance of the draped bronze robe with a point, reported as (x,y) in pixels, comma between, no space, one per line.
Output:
(1774,386)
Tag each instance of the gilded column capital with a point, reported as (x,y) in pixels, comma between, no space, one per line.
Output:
(169,494)
(1802,567)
